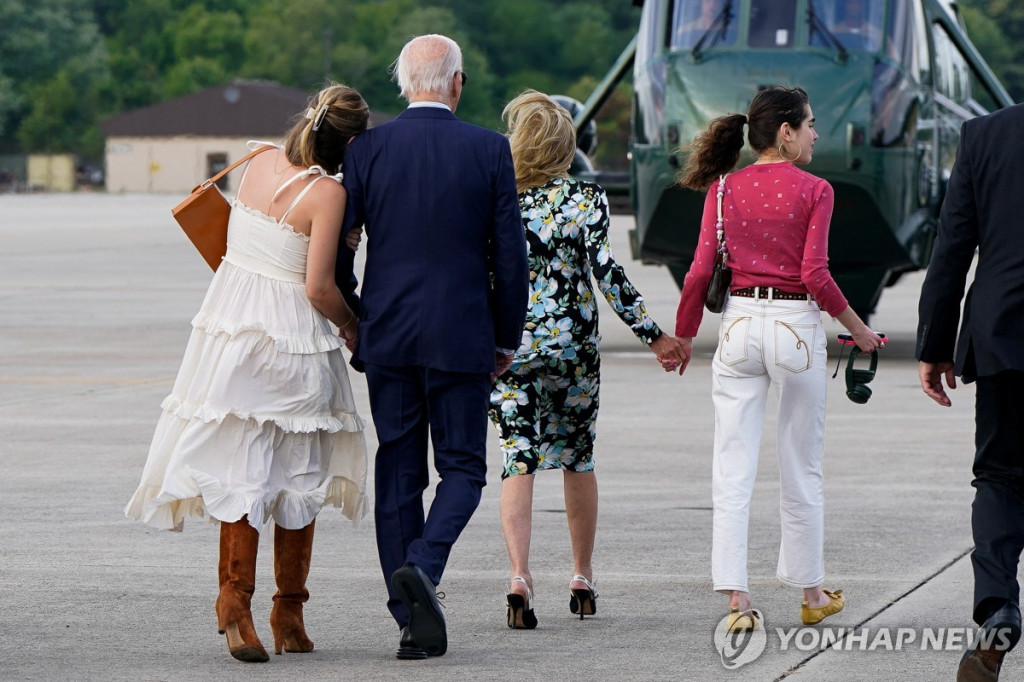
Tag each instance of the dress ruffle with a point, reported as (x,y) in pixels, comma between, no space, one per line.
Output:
(342,421)
(261,421)
(206,470)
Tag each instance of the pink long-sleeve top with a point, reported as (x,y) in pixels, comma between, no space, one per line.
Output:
(776,219)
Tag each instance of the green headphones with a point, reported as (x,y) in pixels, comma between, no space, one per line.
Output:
(857,379)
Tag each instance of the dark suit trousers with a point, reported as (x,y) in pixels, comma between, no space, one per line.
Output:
(998,510)
(407,403)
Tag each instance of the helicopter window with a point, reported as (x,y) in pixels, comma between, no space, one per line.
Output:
(856,24)
(904,41)
(772,23)
(693,19)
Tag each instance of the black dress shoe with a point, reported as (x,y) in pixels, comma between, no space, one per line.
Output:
(984,657)
(426,622)
(408,649)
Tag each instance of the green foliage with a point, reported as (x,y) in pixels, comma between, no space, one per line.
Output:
(64,64)
(37,40)
(996,27)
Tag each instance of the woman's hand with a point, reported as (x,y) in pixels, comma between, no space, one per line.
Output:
(349,331)
(353,237)
(671,353)
(867,341)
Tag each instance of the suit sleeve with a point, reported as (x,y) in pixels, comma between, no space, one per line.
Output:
(509,265)
(955,243)
(344,268)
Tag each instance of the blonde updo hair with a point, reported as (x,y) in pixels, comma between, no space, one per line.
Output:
(339,112)
(542,136)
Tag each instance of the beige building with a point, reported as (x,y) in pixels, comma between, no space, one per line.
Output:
(174,145)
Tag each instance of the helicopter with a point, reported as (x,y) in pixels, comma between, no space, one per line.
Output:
(891,81)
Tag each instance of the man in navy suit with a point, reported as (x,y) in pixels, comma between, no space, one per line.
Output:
(444,299)
(982,211)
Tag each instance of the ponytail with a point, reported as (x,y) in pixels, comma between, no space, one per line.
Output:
(713,152)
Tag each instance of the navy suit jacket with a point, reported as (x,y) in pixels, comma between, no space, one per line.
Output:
(446,279)
(983,209)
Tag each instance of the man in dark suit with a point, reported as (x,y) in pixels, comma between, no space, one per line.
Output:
(444,298)
(983,210)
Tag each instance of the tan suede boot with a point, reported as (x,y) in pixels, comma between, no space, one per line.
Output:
(237,575)
(292,552)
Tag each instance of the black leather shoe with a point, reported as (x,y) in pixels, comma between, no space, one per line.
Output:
(408,649)
(426,622)
(999,634)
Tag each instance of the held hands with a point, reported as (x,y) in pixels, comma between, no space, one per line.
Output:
(350,332)
(931,374)
(672,353)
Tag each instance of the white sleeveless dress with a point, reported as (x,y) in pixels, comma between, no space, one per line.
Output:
(261,420)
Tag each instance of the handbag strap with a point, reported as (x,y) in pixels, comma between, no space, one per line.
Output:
(235,165)
(720,225)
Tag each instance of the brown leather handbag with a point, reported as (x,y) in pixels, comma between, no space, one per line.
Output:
(203,215)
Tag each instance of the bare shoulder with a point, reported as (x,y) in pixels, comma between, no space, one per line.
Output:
(327,189)
(326,194)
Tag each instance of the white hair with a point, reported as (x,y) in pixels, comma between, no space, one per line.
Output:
(427,64)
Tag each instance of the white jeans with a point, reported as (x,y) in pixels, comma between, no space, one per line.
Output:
(762,344)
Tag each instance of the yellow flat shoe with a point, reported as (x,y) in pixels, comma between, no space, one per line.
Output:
(816,614)
(742,622)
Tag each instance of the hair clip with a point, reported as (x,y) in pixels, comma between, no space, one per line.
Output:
(319,118)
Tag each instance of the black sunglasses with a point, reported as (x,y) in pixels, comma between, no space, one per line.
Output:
(464,78)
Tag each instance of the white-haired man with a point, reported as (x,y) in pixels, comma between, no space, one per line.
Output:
(444,298)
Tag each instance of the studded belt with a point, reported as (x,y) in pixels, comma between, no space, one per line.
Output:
(770,293)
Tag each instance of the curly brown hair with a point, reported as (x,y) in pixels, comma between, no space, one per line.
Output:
(716,150)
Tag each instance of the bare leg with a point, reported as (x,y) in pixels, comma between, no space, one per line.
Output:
(580,491)
(516,509)
(740,600)
(815,597)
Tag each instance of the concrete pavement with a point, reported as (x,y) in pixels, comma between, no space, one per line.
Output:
(96,294)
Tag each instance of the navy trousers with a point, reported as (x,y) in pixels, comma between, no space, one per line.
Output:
(410,404)
(997,516)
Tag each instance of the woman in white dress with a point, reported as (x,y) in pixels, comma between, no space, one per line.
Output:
(261,423)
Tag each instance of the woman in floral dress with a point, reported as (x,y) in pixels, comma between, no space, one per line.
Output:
(545,405)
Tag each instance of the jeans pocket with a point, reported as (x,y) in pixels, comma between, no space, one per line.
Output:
(733,345)
(794,345)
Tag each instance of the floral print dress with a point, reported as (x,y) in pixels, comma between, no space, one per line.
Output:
(545,405)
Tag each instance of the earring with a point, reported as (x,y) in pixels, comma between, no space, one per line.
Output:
(783,156)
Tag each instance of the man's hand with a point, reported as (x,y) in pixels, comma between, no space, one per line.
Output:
(931,374)
(502,363)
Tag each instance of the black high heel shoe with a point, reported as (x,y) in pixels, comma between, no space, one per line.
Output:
(583,600)
(520,609)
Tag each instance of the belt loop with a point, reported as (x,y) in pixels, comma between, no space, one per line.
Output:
(771,292)
(757,293)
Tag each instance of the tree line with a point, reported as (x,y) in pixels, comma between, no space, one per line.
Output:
(66,64)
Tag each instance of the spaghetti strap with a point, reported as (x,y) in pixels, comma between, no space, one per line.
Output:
(252,146)
(312,170)
(284,216)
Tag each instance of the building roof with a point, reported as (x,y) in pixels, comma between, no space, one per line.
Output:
(237,109)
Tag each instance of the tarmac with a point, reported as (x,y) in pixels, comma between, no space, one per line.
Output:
(96,296)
